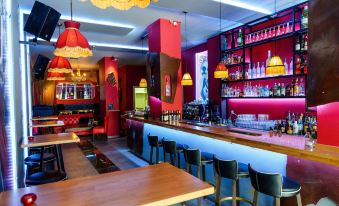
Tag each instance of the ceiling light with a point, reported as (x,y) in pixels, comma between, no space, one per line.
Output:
(121,4)
(143,83)
(53,76)
(243,5)
(59,65)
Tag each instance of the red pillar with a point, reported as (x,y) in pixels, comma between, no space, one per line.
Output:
(165,37)
(328,121)
(109,95)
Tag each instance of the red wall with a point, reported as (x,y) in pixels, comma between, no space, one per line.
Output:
(188,61)
(164,37)
(130,76)
(328,121)
(213,60)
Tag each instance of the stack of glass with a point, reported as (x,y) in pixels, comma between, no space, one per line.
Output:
(250,121)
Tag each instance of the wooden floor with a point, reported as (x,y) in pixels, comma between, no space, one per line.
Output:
(77,165)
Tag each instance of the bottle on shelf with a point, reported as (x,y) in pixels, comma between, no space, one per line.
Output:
(263,70)
(278,31)
(273,32)
(268,57)
(283,90)
(297,44)
(304,17)
(283,29)
(269,35)
(275,90)
(223,42)
(265,34)
(291,67)
(249,72)
(301,88)
(279,90)
(296,88)
(240,38)
(287,29)
(286,67)
(254,72)
(258,70)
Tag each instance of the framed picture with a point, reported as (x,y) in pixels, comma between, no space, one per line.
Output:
(167,82)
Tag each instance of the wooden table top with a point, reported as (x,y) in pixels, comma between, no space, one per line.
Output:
(287,144)
(54,117)
(161,184)
(51,123)
(50,139)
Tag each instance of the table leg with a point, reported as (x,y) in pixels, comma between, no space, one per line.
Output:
(56,152)
(61,158)
(41,158)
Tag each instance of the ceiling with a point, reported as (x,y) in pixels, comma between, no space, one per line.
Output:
(118,33)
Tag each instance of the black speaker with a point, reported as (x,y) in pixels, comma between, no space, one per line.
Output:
(40,65)
(42,21)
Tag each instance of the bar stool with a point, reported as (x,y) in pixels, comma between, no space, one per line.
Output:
(229,169)
(199,159)
(173,149)
(274,185)
(153,142)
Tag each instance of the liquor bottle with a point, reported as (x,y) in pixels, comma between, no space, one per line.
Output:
(283,90)
(295,127)
(232,42)
(305,66)
(257,38)
(291,67)
(279,90)
(268,57)
(271,92)
(240,40)
(223,42)
(283,126)
(262,70)
(304,18)
(254,72)
(301,88)
(297,44)
(297,67)
(262,35)
(269,35)
(296,88)
(302,64)
(258,70)
(290,128)
(283,29)
(278,31)
(287,30)
(275,89)
(273,32)
(286,67)
(305,42)
(265,34)
(249,72)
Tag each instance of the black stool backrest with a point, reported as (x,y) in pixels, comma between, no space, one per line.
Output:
(226,168)
(192,156)
(153,141)
(267,183)
(169,146)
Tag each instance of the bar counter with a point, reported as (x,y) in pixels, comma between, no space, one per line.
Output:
(286,144)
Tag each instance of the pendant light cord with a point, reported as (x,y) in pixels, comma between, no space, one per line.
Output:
(220,56)
(185,12)
(275,23)
(71,10)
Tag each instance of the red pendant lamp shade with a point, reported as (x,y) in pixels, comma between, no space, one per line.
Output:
(71,43)
(53,76)
(60,65)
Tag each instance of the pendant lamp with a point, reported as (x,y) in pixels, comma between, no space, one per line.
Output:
(71,43)
(186,78)
(275,65)
(221,71)
(143,83)
(54,76)
(60,65)
(121,4)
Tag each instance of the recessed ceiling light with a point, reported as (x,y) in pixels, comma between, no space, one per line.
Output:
(88,20)
(243,5)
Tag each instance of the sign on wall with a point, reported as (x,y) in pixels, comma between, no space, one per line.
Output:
(201,70)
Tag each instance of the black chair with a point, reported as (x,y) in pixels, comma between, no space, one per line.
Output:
(274,185)
(45,177)
(173,149)
(154,142)
(229,169)
(34,160)
(199,159)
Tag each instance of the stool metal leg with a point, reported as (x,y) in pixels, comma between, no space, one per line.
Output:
(204,173)
(277,201)
(157,155)
(151,156)
(237,191)
(299,200)
(217,192)
(42,158)
(179,160)
(255,198)
(164,156)
(234,192)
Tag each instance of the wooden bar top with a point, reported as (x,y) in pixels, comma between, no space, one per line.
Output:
(287,144)
(161,184)
(50,139)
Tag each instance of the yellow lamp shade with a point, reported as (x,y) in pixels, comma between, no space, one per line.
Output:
(221,71)
(275,67)
(186,80)
(143,83)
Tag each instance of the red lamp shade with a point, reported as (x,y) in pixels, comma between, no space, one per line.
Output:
(60,65)
(54,76)
(71,43)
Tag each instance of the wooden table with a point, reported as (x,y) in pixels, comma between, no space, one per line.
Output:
(45,118)
(161,184)
(51,139)
(52,123)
